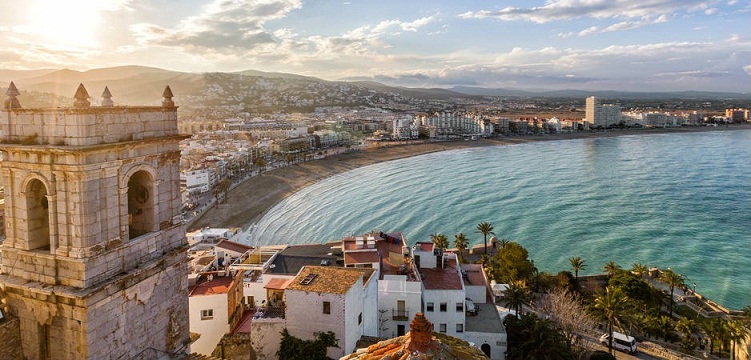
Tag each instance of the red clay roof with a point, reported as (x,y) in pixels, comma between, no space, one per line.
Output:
(447,278)
(218,285)
(232,246)
(278,284)
(360,257)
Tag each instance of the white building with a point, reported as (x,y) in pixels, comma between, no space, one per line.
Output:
(340,300)
(197,181)
(443,288)
(399,284)
(214,307)
(601,115)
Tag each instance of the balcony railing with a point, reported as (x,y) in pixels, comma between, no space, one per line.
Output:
(400,315)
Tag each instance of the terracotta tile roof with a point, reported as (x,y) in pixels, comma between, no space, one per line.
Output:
(352,257)
(232,246)
(278,284)
(440,346)
(218,285)
(331,280)
(442,279)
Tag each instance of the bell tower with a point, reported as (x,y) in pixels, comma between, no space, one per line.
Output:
(94,260)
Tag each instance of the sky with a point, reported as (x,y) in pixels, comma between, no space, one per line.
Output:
(631,45)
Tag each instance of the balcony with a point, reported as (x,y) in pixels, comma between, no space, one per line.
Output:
(400,315)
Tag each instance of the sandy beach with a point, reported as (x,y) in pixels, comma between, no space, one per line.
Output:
(250,200)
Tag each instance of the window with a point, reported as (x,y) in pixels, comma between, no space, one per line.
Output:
(459,328)
(429,307)
(207,314)
(326,307)
(444,307)
(460,307)
(359,319)
(442,328)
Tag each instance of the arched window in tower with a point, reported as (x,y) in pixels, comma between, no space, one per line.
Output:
(140,204)
(38,216)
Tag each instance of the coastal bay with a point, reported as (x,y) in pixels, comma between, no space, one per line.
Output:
(251,199)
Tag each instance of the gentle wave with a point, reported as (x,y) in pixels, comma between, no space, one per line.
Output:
(670,200)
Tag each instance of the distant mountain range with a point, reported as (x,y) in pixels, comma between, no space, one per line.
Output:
(133,85)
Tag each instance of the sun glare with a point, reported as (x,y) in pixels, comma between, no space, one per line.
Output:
(67,23)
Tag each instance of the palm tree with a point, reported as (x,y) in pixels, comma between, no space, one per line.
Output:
(577,264)
(639,269)
(461,243)
(673,279)
(614,308)
(736,333)
(686,326)
(665,324)
(516,296)
(611,268)
(440,241)
(485,228)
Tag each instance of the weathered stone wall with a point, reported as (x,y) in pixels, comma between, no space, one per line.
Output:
(10,338)
(266,335)
(87,126)
(235,347)
(140,311)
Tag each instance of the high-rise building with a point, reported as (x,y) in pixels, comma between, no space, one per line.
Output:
(94,260)
(598,115)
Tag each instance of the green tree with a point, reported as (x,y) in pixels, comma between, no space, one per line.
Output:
(637,289)
(639,269)
(485,228)
(577,264)
(516,296)
(461,243)
(530,337)
(673,279)
(736,333)
(614,308)
(611,268)
(440,240)
(260,163)
(293,348)
(513,264)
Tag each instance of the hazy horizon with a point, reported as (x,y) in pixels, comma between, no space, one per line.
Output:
(665,45)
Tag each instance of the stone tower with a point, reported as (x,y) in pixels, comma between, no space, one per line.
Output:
(94,260)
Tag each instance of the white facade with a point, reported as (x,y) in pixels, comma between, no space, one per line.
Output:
(198,181)
(398,302)
(349,315)
(209,318)
(445,309)
(601,115)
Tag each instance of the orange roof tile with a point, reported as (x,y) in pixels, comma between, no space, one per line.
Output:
(332,280)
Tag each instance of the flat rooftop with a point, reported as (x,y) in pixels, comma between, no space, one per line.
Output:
(294,257)
(217,285)
(447,278)
(487,320)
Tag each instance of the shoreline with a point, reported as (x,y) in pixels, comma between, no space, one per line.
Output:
(250,200)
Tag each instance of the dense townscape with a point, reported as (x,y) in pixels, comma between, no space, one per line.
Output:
(372,295)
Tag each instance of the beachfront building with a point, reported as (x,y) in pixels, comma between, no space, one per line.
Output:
(404,128)
(197,181)
(450,124)
(737,115)
(340,300)
(599,115)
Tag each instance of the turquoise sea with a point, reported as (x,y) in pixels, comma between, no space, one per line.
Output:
(678,200)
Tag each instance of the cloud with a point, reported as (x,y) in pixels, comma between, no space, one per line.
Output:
(555,10)
(223,26)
